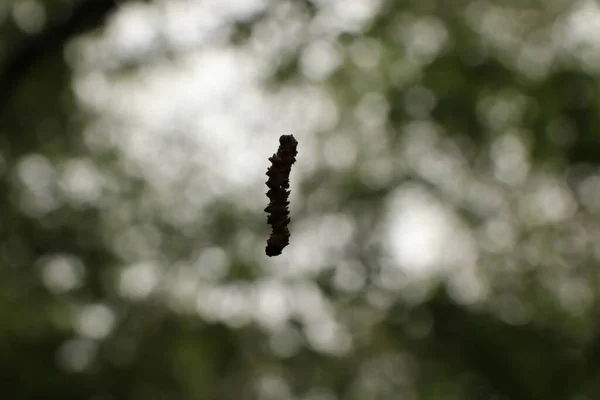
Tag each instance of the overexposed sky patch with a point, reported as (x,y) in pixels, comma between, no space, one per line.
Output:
(424,236)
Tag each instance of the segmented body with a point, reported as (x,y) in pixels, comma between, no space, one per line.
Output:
(278,183)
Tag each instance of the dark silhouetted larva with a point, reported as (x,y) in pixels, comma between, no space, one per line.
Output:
(278,183)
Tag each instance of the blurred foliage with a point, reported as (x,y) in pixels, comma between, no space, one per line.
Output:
(483,107)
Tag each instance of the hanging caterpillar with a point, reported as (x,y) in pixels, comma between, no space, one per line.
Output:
(278,183)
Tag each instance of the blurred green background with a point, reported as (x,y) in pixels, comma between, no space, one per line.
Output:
(445,202)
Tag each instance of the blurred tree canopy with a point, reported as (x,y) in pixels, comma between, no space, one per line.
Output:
(444,204)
